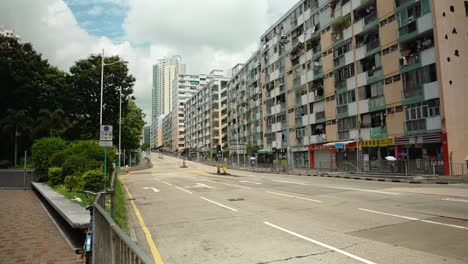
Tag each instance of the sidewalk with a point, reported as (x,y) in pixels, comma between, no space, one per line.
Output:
(27,234)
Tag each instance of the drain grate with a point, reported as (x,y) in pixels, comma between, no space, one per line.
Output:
(236,199)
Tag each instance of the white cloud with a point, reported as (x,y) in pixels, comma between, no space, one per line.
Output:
(95,11)
(208,34)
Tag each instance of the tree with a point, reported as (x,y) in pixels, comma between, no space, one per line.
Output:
(51,124)
(85,90)
(132,126)
(16,124)
(28,83)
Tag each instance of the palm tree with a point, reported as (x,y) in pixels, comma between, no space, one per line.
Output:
(18,122)
(54,124)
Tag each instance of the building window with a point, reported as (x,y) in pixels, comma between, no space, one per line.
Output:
(347,123)
(466,8)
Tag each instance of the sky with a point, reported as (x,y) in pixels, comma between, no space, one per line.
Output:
(208,34)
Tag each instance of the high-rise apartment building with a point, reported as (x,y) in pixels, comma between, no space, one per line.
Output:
(166,132)
(206,116)
(164,74)
(352,81)
(185,85)
(245,121)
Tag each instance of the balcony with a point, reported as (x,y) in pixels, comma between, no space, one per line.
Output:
(298,122)
(320,117)
(297,82)
(317,139)
(370,19)
(339,62)
(340,85)
(413,95)
(372,47)
(342,111)
(343,135)
(415,127)
(378,132)
(377,103)
(414,27)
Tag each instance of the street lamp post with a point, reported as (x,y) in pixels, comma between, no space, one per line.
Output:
(120,107)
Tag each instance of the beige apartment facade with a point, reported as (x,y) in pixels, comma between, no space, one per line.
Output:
(353,81)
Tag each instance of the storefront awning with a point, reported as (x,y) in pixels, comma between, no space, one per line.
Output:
(264,151)
(339,143)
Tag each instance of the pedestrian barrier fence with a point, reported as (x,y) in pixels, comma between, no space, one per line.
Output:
(110,243)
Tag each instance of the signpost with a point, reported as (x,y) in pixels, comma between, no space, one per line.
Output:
(105,140)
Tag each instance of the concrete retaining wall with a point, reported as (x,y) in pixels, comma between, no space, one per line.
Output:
(16,178)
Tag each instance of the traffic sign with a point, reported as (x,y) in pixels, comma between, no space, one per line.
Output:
(105,136)
(105,133)
(105,143)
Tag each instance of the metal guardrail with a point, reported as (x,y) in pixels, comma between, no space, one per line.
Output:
(110,243)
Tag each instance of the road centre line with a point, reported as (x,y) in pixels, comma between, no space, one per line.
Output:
(222,205)
(395,215)
(455,200)
(182,189)
(321,244)
(414,219)
(300,183)
(163,182)
(293,196)
(234,185)
(363,190)
(438,223)
(251,182)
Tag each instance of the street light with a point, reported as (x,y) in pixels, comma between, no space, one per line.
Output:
(120,107)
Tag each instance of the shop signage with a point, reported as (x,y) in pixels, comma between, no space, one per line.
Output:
(370,143)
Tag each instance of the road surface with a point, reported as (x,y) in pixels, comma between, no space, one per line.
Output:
(191,215)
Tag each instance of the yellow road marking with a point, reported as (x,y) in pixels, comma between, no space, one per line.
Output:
(154,250)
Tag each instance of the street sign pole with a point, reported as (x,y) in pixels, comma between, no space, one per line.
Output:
(105,165)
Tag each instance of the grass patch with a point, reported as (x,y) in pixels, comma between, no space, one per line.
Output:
(86,199)
(120,207)
(120,202)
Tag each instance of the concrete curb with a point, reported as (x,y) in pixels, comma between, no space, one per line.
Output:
(75,215)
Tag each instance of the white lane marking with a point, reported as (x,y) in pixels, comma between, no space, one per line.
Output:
(202,185)
(293,196)
(363,190)
(308,199)
(455,200)
(163,182)
(251,182)
(234,185)
(300,183)
(222,205)
(282,194)
(250,175)
(395,215)
(415,219)
(438,223)
(182,189)
(321,244)
(151,188)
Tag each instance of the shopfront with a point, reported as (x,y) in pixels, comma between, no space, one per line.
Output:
(425,153)
(322,157)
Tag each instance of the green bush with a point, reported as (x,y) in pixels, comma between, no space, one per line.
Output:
(57,159)
(55,176)
(93,180)
(5,164)
(78,164)
(42,150)
(84,155)
(72,182)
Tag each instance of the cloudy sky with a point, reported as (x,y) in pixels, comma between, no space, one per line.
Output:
(208,34)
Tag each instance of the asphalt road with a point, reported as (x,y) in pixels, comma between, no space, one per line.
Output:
(196,216)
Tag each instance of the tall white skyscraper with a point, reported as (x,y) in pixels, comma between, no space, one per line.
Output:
(164,74)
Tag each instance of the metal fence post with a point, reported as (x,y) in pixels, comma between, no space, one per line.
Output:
(24,175)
